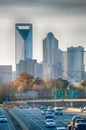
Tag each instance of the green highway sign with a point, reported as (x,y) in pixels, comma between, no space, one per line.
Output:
(59,94)
(72,94)
(66,94)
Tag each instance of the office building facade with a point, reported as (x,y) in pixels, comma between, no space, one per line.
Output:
(50,56)
(5,73)
(75,63)
(31,67)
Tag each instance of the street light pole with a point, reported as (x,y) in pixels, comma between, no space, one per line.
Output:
(10,93)
(71,83)
(55,94)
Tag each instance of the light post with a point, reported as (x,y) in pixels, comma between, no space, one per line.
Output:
(55,94)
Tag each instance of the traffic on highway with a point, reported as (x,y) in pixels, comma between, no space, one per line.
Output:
(44,118)
(5,122)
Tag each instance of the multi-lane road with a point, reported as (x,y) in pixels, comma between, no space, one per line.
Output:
(34,120)
(5,125)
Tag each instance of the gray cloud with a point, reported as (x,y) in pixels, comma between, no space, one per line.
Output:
(42,8)
(63,17)
(49,3)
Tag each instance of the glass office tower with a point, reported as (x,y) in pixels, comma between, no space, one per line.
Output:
(50,56)
(23,42)
(75,62)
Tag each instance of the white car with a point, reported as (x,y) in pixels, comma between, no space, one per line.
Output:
(3,118)
(43,112)
(60,128)
(50,108)
(58,111)
(50,123)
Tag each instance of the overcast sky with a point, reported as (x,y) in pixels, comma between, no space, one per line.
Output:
(65,18)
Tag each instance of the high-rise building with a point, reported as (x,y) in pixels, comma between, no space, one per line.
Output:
(50,56)
(23,42)
(75,62)
(85,61)
(5,73)
(84,75)
(30,66)
(65,75)
(23,51)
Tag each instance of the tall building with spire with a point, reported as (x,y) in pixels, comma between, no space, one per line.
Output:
(50,57)
(23,41)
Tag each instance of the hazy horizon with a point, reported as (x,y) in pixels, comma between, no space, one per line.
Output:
(66,19)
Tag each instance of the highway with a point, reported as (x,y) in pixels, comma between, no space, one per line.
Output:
(34,120)
(5,125)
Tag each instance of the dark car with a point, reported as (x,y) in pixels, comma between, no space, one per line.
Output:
(80,126)
(49,115)
(76,122)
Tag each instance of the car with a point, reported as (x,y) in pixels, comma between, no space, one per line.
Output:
(76,119)
(3,118)
(80,126)
(82,120)
(60,128)
(58,111)
(21,107)
(72,122)
(83,109)
(50,108)
(43,112)
(49,115)
(50,123)
(43,107)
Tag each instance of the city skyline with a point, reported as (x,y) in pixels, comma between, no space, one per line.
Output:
(66,19)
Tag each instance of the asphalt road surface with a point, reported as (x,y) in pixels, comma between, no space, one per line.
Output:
(34,120)
(6,125)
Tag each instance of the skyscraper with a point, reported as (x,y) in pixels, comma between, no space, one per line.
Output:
(5,73)
(30,66)
(23,51)
(50,57)
(23,41)
(75,62)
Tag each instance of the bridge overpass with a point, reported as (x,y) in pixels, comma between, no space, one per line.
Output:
(58,100)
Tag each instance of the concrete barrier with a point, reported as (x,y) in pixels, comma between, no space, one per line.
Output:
(74,109)
(20,122)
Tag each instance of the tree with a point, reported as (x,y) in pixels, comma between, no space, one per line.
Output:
(20,88)
(25,80)
(83,83)
(38,81)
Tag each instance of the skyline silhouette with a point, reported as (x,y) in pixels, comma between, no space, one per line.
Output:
(66,19)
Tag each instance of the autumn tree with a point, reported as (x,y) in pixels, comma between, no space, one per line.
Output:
(83,83)
(25,80)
